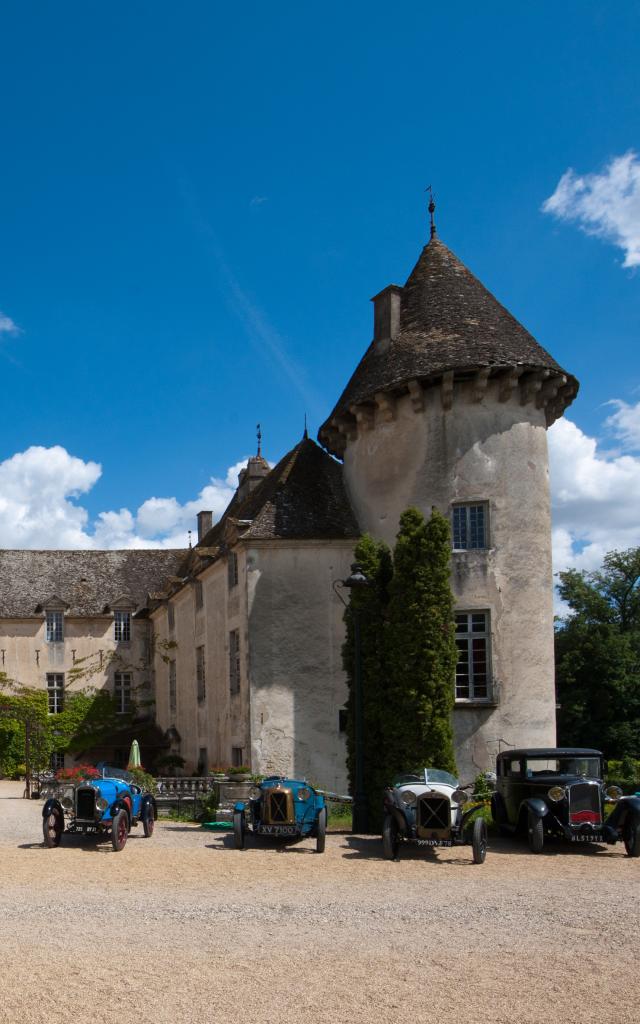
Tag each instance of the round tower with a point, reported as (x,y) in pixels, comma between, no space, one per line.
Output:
(449,407)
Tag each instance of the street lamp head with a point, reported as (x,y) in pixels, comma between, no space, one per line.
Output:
(357,577)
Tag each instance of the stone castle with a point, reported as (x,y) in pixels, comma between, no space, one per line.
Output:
(238,640)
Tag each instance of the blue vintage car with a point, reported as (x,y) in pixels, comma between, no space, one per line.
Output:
(110,804)
(283,809)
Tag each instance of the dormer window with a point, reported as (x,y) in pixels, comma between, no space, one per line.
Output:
(122,626)
(54,627)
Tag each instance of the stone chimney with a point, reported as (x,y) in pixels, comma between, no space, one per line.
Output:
(205,522)
(386,315)
(249,478)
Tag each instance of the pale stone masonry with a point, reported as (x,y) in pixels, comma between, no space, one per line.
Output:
(448,408)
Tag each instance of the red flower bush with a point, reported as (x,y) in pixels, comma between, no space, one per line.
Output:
(77,774)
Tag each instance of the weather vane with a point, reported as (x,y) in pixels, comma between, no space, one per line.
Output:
(259,433)
(431,208)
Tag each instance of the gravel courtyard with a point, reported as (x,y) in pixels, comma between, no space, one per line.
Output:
(182,928)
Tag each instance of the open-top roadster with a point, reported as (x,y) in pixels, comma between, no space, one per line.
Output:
(110,803)
(559,792)
(286,809)
(427,809)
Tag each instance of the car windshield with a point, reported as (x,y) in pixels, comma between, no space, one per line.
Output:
(585,766)
(436,775)
(116,773)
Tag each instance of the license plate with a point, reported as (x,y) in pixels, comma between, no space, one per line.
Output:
(278,830)
(588,839)
(84,829)
(434,842)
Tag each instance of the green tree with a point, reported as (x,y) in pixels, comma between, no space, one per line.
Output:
(598,657)
(421,647)
(408,655)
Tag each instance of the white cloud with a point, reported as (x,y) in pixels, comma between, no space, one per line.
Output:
(595,497)
(606,204)
(625,423)
(7,325)
(39,489)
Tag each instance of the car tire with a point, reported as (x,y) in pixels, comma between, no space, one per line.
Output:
(390,841)
(479,841)
(322,830)
(52,829)
(238,830)
(148,820)
(119,830)
(535,831)
(631,837)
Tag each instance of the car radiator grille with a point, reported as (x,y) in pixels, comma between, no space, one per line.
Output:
(279,808)
(433,813)
(85,804)
(584,803)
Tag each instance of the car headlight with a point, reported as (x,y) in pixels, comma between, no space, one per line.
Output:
(459,796)
(557,793)
(67,802)
(303,794)
(101,803)
(613,792)
(408,797)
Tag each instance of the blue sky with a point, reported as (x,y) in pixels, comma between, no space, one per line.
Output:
(197,202)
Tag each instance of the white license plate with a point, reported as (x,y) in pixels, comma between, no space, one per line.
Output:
(434,842)
(588,839)
(278,830)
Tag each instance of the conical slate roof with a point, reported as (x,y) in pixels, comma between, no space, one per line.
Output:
(302,498)
(448,321)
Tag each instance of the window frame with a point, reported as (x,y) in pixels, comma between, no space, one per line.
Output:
(55,693)
(232,570)
(201,676)
(469,636)
(56,615)
(468,506)
(234,662)
(122,692)
(122,623)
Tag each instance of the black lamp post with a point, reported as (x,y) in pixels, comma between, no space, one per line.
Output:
(360,822)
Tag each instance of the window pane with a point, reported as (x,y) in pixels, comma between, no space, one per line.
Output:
(459,526)
(479,622)
(55,691)
(122,692)
(122,627)
(476,526)
(55,627)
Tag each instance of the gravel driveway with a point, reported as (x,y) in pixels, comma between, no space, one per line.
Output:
(180,928)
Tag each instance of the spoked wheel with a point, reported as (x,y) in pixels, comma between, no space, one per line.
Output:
(52,828)
(119,830)
(479,841)
(390,841)
(632,837)
(322,830)
(238,830)
(148,820)
(535,832)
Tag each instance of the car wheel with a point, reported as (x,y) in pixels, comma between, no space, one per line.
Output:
(148,820)
(535,830)
(238,829)
(119,830)
(390,841)
(632,837)
(52,828)
(322,830)
(479,841)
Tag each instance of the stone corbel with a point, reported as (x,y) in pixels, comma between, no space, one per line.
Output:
(416,394)
(347,428)
(549,390)
(530,387)
(364,415)
(480,383)
(508,383)
(387,406)
(446,389)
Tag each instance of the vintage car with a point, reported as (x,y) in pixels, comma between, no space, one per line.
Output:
(427,809)
(559,792)
(282,808)
(109,804)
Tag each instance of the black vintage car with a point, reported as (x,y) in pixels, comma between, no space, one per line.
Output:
(559,792)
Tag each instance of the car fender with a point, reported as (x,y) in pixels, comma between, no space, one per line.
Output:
(148,800)
(395,806)
(52,805)
(121,805)
(536,805)
(627,806)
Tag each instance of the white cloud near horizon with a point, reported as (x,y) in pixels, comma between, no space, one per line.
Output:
(7,325)
(606,205)
(595,498)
